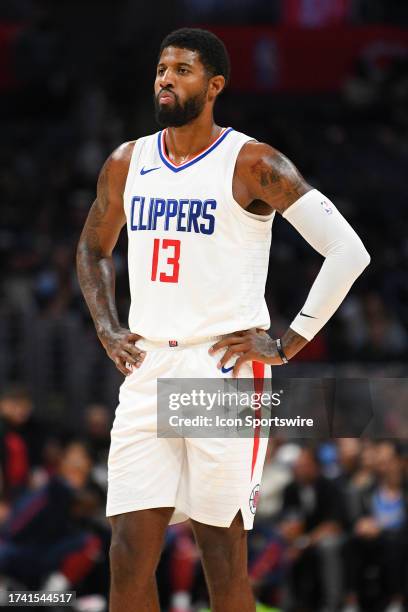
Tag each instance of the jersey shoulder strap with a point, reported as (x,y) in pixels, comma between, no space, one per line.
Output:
(232,146)
(140,147)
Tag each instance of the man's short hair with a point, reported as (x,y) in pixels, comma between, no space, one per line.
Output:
(213,54)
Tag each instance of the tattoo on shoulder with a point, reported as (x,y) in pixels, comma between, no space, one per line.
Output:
(281,183)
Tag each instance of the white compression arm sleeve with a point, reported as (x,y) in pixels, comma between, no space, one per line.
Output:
(320,223)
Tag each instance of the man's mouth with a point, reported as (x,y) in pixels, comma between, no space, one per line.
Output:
(165,97)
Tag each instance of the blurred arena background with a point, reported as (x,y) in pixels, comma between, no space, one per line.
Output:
(324,81)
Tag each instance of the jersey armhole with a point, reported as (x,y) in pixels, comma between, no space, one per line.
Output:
(261,222)
(132,166)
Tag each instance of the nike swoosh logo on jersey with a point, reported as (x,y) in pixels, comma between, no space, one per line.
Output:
(143,171)
(302,314)
(226,370)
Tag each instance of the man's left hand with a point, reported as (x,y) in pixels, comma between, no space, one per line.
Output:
(251,345)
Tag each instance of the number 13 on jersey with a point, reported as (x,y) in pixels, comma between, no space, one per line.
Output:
(172,259)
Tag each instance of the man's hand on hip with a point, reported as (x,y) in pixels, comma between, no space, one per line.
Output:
(249,345)
(120,347)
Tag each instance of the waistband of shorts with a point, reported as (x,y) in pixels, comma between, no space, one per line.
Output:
(146,343)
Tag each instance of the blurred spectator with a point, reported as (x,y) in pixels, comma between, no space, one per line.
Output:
(17,410)
(53,284)
(385,451)
(312,517)
(96,431)
(355,476)
(277,474)
(380,537)
(97,427)
(13,461)
(21,439)
(385,336)
(44,541)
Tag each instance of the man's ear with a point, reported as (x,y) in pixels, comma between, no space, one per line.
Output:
(215,86)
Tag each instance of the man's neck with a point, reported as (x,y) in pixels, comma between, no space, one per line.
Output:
(185,142)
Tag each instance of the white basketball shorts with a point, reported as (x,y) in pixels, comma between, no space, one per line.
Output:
(205,479)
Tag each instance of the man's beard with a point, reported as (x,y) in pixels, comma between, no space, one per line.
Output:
(178,114)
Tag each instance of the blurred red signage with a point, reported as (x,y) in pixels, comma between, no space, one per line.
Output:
(316,13)
(308,60)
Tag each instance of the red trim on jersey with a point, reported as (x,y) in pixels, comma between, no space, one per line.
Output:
(192,158)
(258,369)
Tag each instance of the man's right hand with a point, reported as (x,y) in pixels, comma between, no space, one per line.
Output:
(120,347)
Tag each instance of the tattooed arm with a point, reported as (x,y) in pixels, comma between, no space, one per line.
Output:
(264,179)
(264,175)
(95,268)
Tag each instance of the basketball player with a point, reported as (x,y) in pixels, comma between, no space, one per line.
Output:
(198,201)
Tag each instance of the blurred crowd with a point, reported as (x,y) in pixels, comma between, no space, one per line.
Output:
(330,531)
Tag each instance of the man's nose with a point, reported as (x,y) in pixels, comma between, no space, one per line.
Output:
(167,80)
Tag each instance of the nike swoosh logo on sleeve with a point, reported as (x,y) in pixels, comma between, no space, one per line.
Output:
(302,314)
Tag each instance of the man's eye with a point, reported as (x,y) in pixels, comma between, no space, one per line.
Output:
(183,70)
(160,71)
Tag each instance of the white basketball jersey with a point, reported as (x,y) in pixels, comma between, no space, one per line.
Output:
(197,261)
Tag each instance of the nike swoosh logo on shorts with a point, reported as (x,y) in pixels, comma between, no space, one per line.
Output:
(302,314)
(143,171)
(225,370)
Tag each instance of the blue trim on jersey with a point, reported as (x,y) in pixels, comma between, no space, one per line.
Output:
(196,159)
